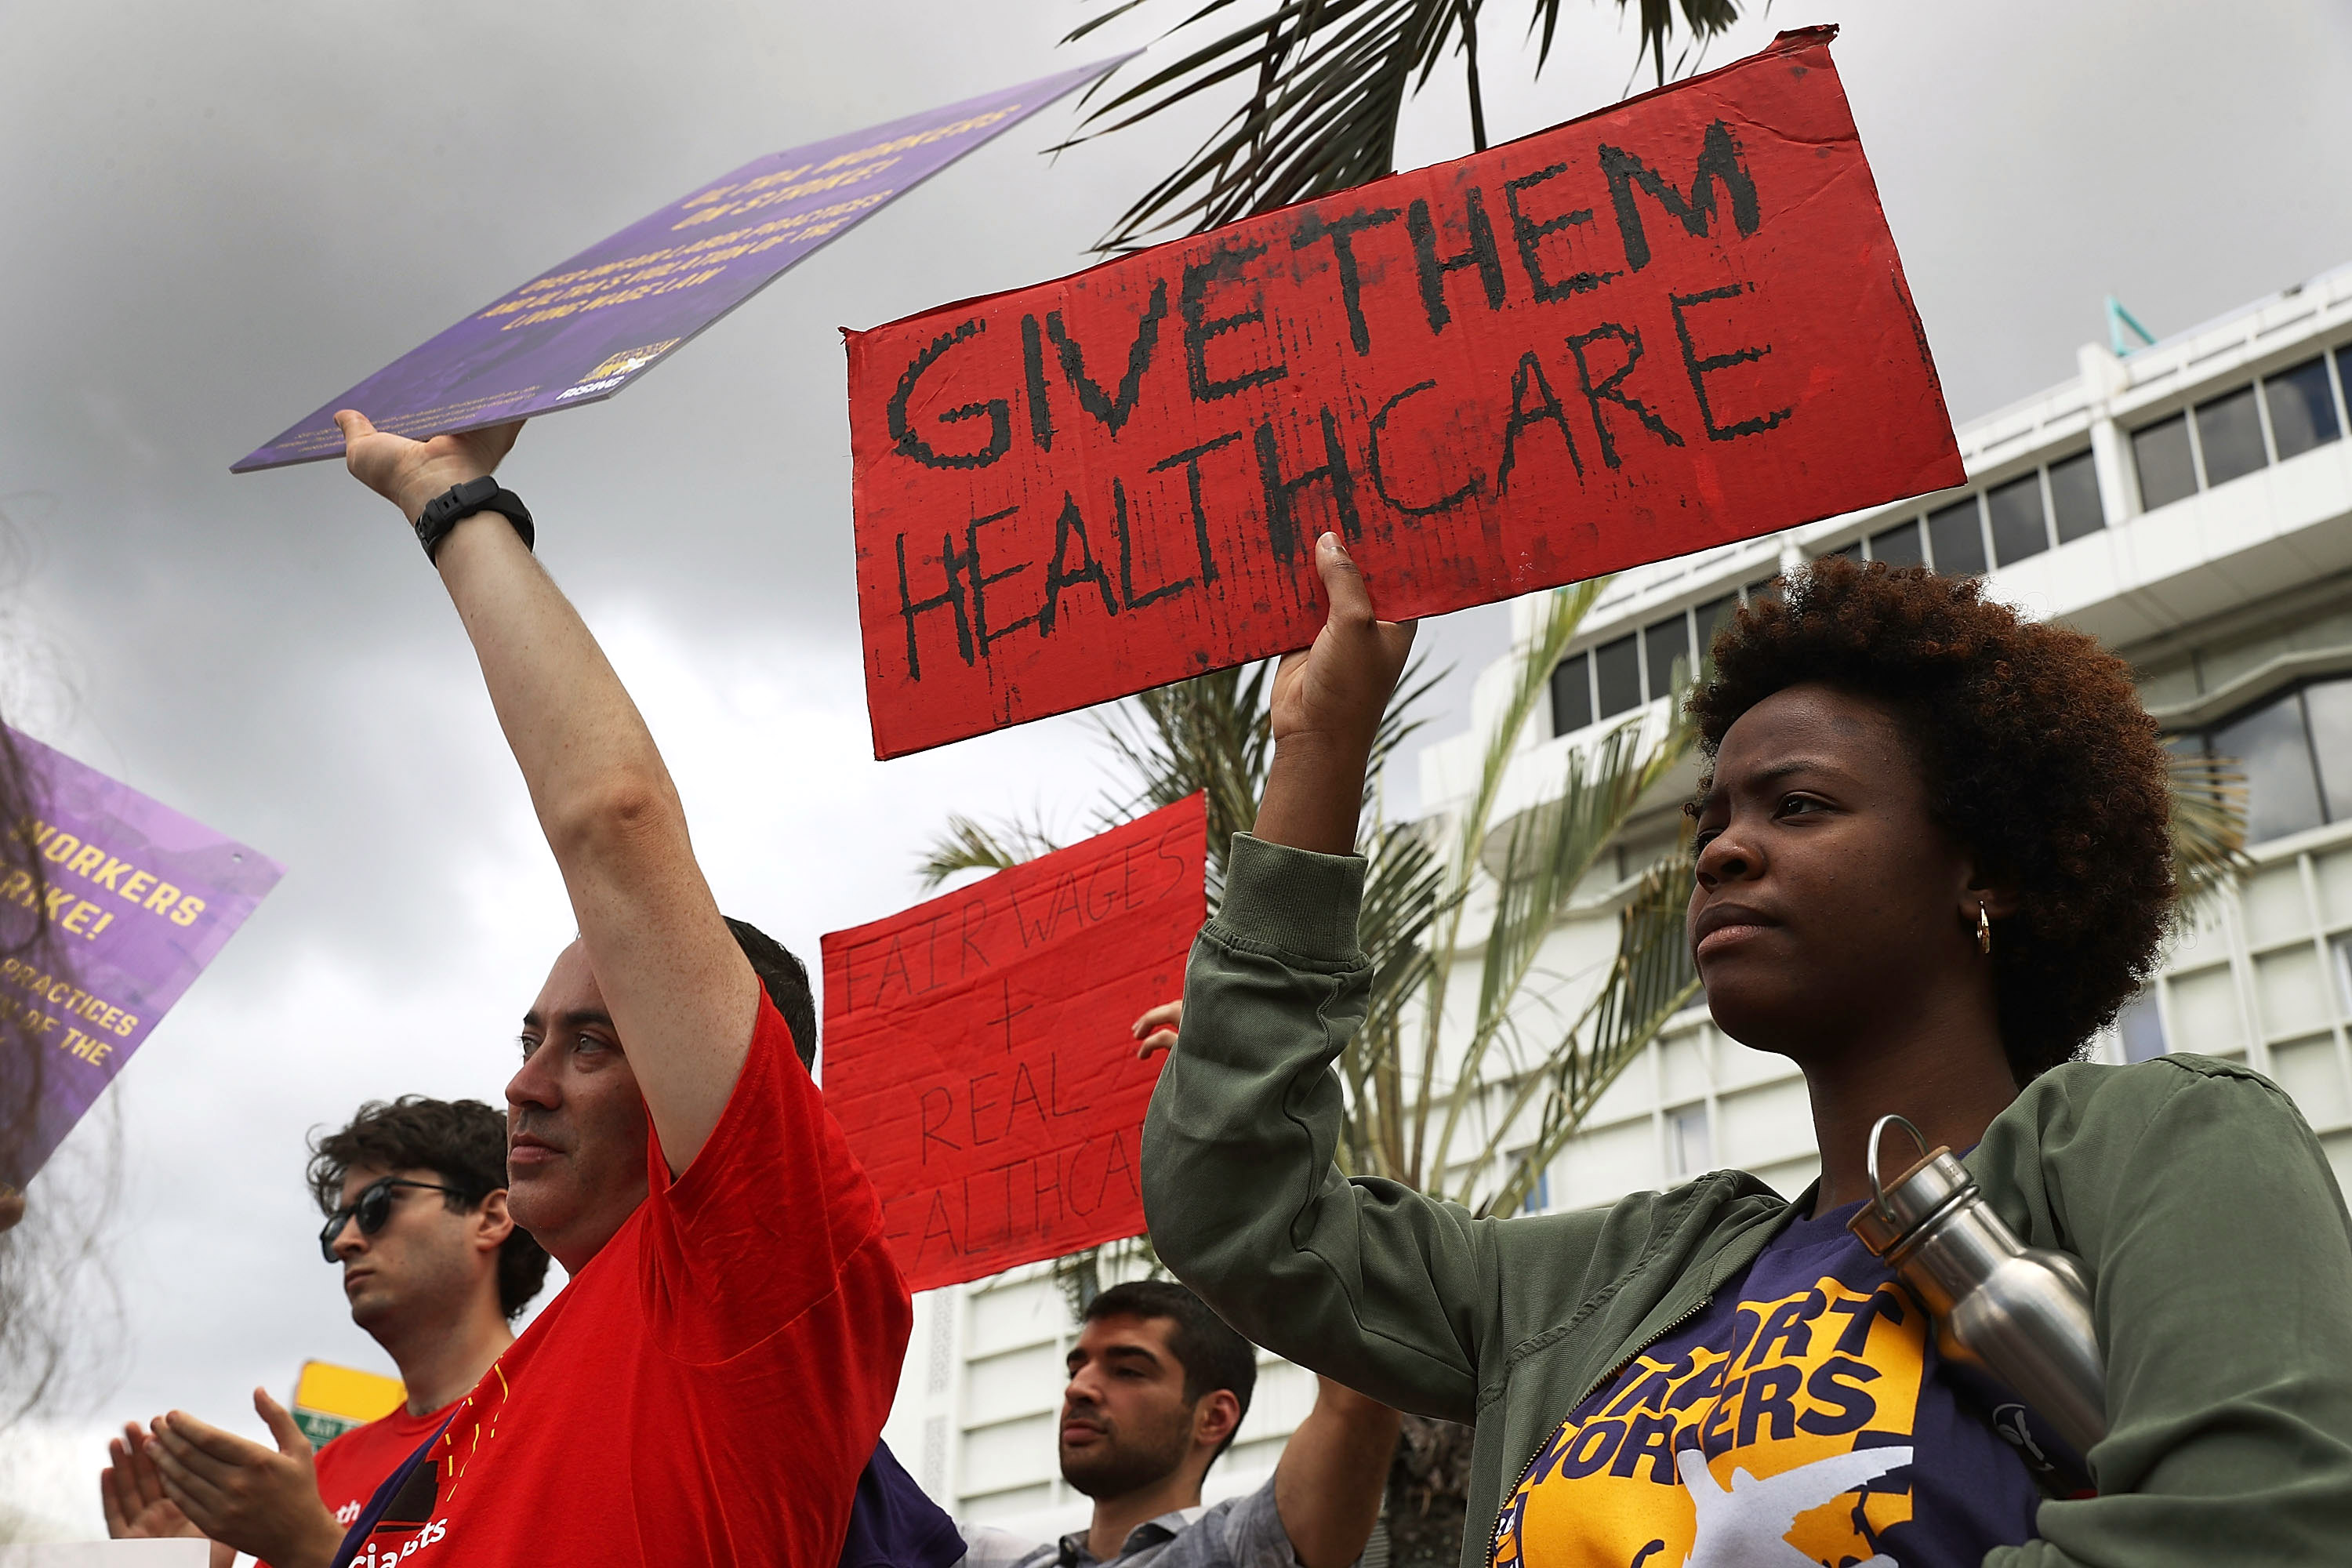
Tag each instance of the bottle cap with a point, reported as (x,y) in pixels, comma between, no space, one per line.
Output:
(1896,1208)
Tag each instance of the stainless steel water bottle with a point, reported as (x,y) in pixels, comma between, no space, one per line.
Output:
(2022,1314)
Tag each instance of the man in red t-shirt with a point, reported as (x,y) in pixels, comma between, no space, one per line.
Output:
(707,1387)
(436,1281)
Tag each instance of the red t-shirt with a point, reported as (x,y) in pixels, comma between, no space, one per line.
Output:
(708,1388)
(352,1466)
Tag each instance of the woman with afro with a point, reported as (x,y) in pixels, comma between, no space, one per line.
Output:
(1931,859)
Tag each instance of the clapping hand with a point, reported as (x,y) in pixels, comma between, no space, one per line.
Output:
(261,1501)
(131,1489)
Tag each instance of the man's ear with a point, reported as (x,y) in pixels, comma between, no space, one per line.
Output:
(492,1222)
(1214,1419)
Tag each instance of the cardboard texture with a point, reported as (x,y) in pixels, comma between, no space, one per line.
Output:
(977,1055)
(1664,327)
(139,900)
(581,331)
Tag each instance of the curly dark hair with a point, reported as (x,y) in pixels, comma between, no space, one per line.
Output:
(2036,755)
(463,1141)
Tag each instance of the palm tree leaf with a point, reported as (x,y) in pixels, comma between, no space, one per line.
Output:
(1374,43)
(964,845)
(1209,734)
(1650,980)
(1328,82)
(2209,823)
(1558,614)
(1550,851)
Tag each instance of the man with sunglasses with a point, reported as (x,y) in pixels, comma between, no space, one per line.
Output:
(436,1281)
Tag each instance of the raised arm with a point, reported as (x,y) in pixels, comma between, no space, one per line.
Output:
(1334,1470)
(1367,1281)
(681,994)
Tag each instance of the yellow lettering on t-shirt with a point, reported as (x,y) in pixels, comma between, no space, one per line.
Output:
(1713,1456)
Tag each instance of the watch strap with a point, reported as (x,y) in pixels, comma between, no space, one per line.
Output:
(458,502)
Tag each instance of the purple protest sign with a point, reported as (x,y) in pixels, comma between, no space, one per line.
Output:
(581,332)
(138,899)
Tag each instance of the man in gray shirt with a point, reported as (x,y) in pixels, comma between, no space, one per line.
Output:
(1157,1387)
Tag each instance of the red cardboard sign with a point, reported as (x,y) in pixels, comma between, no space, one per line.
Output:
(977,1055)
(1664,327)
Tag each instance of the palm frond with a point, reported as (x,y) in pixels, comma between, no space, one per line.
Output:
(1558,614)
(1323,85)
(964,845)
(1404,890)
(1210,734)
(1551,850)
(1650,980)
(1214,734)
(2208,823)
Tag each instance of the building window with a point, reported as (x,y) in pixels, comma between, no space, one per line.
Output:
(2340,949)
(1572,695)
(2302,408)
(1690,1148)
(2168,472)
(1956,539)
(1899,545)
(2328,709)
(2075,497)
(1617,675)
(2018,527)
(2296,750)
(2281,786)
(1712,617)
(2228,439)
(1537,1197)
(2141,1025)
(1663,643)
(2020,517)
(2229,436)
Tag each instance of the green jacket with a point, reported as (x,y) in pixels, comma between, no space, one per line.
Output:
(2192,1191)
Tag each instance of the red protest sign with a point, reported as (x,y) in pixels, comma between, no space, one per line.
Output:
(976,1051)
(1671,325)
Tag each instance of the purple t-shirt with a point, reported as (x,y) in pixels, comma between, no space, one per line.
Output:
(1804,1417)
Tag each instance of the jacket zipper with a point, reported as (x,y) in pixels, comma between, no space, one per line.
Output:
(1494,1543)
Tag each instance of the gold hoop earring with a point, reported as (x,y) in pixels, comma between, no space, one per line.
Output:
(1984,931)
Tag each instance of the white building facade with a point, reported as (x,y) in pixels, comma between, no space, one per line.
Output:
(2190,505)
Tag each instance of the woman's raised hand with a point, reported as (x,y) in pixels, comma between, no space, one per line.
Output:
(1327,708)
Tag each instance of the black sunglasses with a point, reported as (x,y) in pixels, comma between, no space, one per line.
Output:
(373,1208)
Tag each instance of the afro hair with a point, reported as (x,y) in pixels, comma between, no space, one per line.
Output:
(2037,757)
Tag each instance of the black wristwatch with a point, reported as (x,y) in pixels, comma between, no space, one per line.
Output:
(456,503)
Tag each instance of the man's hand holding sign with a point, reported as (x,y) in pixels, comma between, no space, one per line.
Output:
(1673,324)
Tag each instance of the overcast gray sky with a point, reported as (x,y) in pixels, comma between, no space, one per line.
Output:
(220,215)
